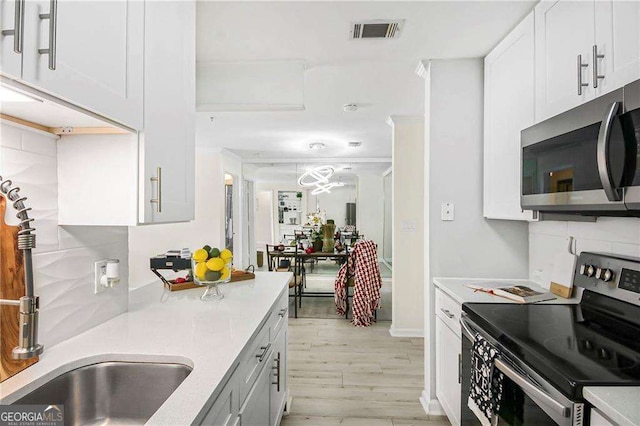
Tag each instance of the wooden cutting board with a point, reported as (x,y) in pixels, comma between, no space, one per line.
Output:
(11,287)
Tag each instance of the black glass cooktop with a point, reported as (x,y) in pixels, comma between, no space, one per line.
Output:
(594,343)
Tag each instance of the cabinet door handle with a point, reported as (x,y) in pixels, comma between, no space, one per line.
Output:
(447,313)
(277,374)
(52,16)
(265,349)
(282,312)
(596,57)
(18,27)
(580,83)
(158,178)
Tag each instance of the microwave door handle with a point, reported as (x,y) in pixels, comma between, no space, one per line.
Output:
(531,389)
(613,194)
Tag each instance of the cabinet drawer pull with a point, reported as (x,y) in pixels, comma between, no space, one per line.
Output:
(277,373)
(158,178)
(282,313)
(447,313)
(52,16)
(596,57)
(580,83)
(18,27)
(265,349)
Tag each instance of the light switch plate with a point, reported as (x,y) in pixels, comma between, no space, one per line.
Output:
(408,226)
(447,212)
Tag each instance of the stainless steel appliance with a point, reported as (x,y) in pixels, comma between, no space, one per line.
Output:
(550,352)
(585,161)
(351,214)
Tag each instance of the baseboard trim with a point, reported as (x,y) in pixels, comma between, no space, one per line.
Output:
(431,406)
(406,332)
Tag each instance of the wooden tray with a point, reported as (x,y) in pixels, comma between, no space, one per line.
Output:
(11,287)
(235,276)
(173,286)
(242,276)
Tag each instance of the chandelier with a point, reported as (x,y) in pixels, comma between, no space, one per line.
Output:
(319,177)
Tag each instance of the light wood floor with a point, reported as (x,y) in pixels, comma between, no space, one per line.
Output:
(345,375)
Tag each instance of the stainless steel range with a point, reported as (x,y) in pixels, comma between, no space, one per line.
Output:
(549,353)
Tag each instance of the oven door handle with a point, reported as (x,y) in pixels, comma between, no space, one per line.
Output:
(604,136)
(532,390)
(466,330)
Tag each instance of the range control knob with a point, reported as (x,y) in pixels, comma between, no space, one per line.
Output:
(583,269)
(606,275)
(589,270)
(598,273)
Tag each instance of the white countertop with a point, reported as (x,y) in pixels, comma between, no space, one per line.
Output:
(619,404)
(167,327)
(456,288)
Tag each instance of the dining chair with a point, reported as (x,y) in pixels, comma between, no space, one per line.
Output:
(279,263)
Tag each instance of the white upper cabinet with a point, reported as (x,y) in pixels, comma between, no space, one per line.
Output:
(508,108)
(618,42)
(168,140)
(564,40)
(584,49)
(89,53)
(147,177)
(11,44)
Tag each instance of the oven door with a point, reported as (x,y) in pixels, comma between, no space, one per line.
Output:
(528,399)
(576,161)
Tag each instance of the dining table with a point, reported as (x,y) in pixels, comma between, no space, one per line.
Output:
(274,256)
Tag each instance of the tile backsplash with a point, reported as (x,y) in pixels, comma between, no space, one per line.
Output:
(607,235)
(64,257)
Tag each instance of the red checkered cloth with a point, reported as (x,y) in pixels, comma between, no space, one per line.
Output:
(363,266)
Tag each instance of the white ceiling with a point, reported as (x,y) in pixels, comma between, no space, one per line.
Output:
(378,74)
(290,172)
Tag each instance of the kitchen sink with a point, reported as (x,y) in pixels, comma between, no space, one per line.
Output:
(107,393)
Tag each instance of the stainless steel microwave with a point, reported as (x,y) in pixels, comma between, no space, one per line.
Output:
(585,161)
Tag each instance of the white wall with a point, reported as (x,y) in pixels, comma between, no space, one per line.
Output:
(207,228)
(335,203)
(264,218)
(64,256)
(607,235)
(469,246)
(370,208)
(408,226)
(274,187)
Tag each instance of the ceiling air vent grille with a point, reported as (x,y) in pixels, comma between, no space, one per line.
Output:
(376,29)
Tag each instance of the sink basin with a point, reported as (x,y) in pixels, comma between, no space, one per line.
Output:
(107,393)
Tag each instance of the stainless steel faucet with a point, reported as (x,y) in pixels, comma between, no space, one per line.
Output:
(28,345)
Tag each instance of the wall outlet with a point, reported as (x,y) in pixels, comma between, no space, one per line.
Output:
(99,270)
(447,211)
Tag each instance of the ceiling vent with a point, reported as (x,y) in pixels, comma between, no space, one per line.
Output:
(379,28)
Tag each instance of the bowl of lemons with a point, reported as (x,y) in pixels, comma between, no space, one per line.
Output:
(211,266)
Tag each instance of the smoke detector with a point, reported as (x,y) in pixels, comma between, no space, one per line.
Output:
(316,146)
(350,107)
(377,28)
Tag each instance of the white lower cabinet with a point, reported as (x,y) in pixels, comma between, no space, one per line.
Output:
(251,396)
(256,408)
(278,393)
(448,357)
(224,411)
